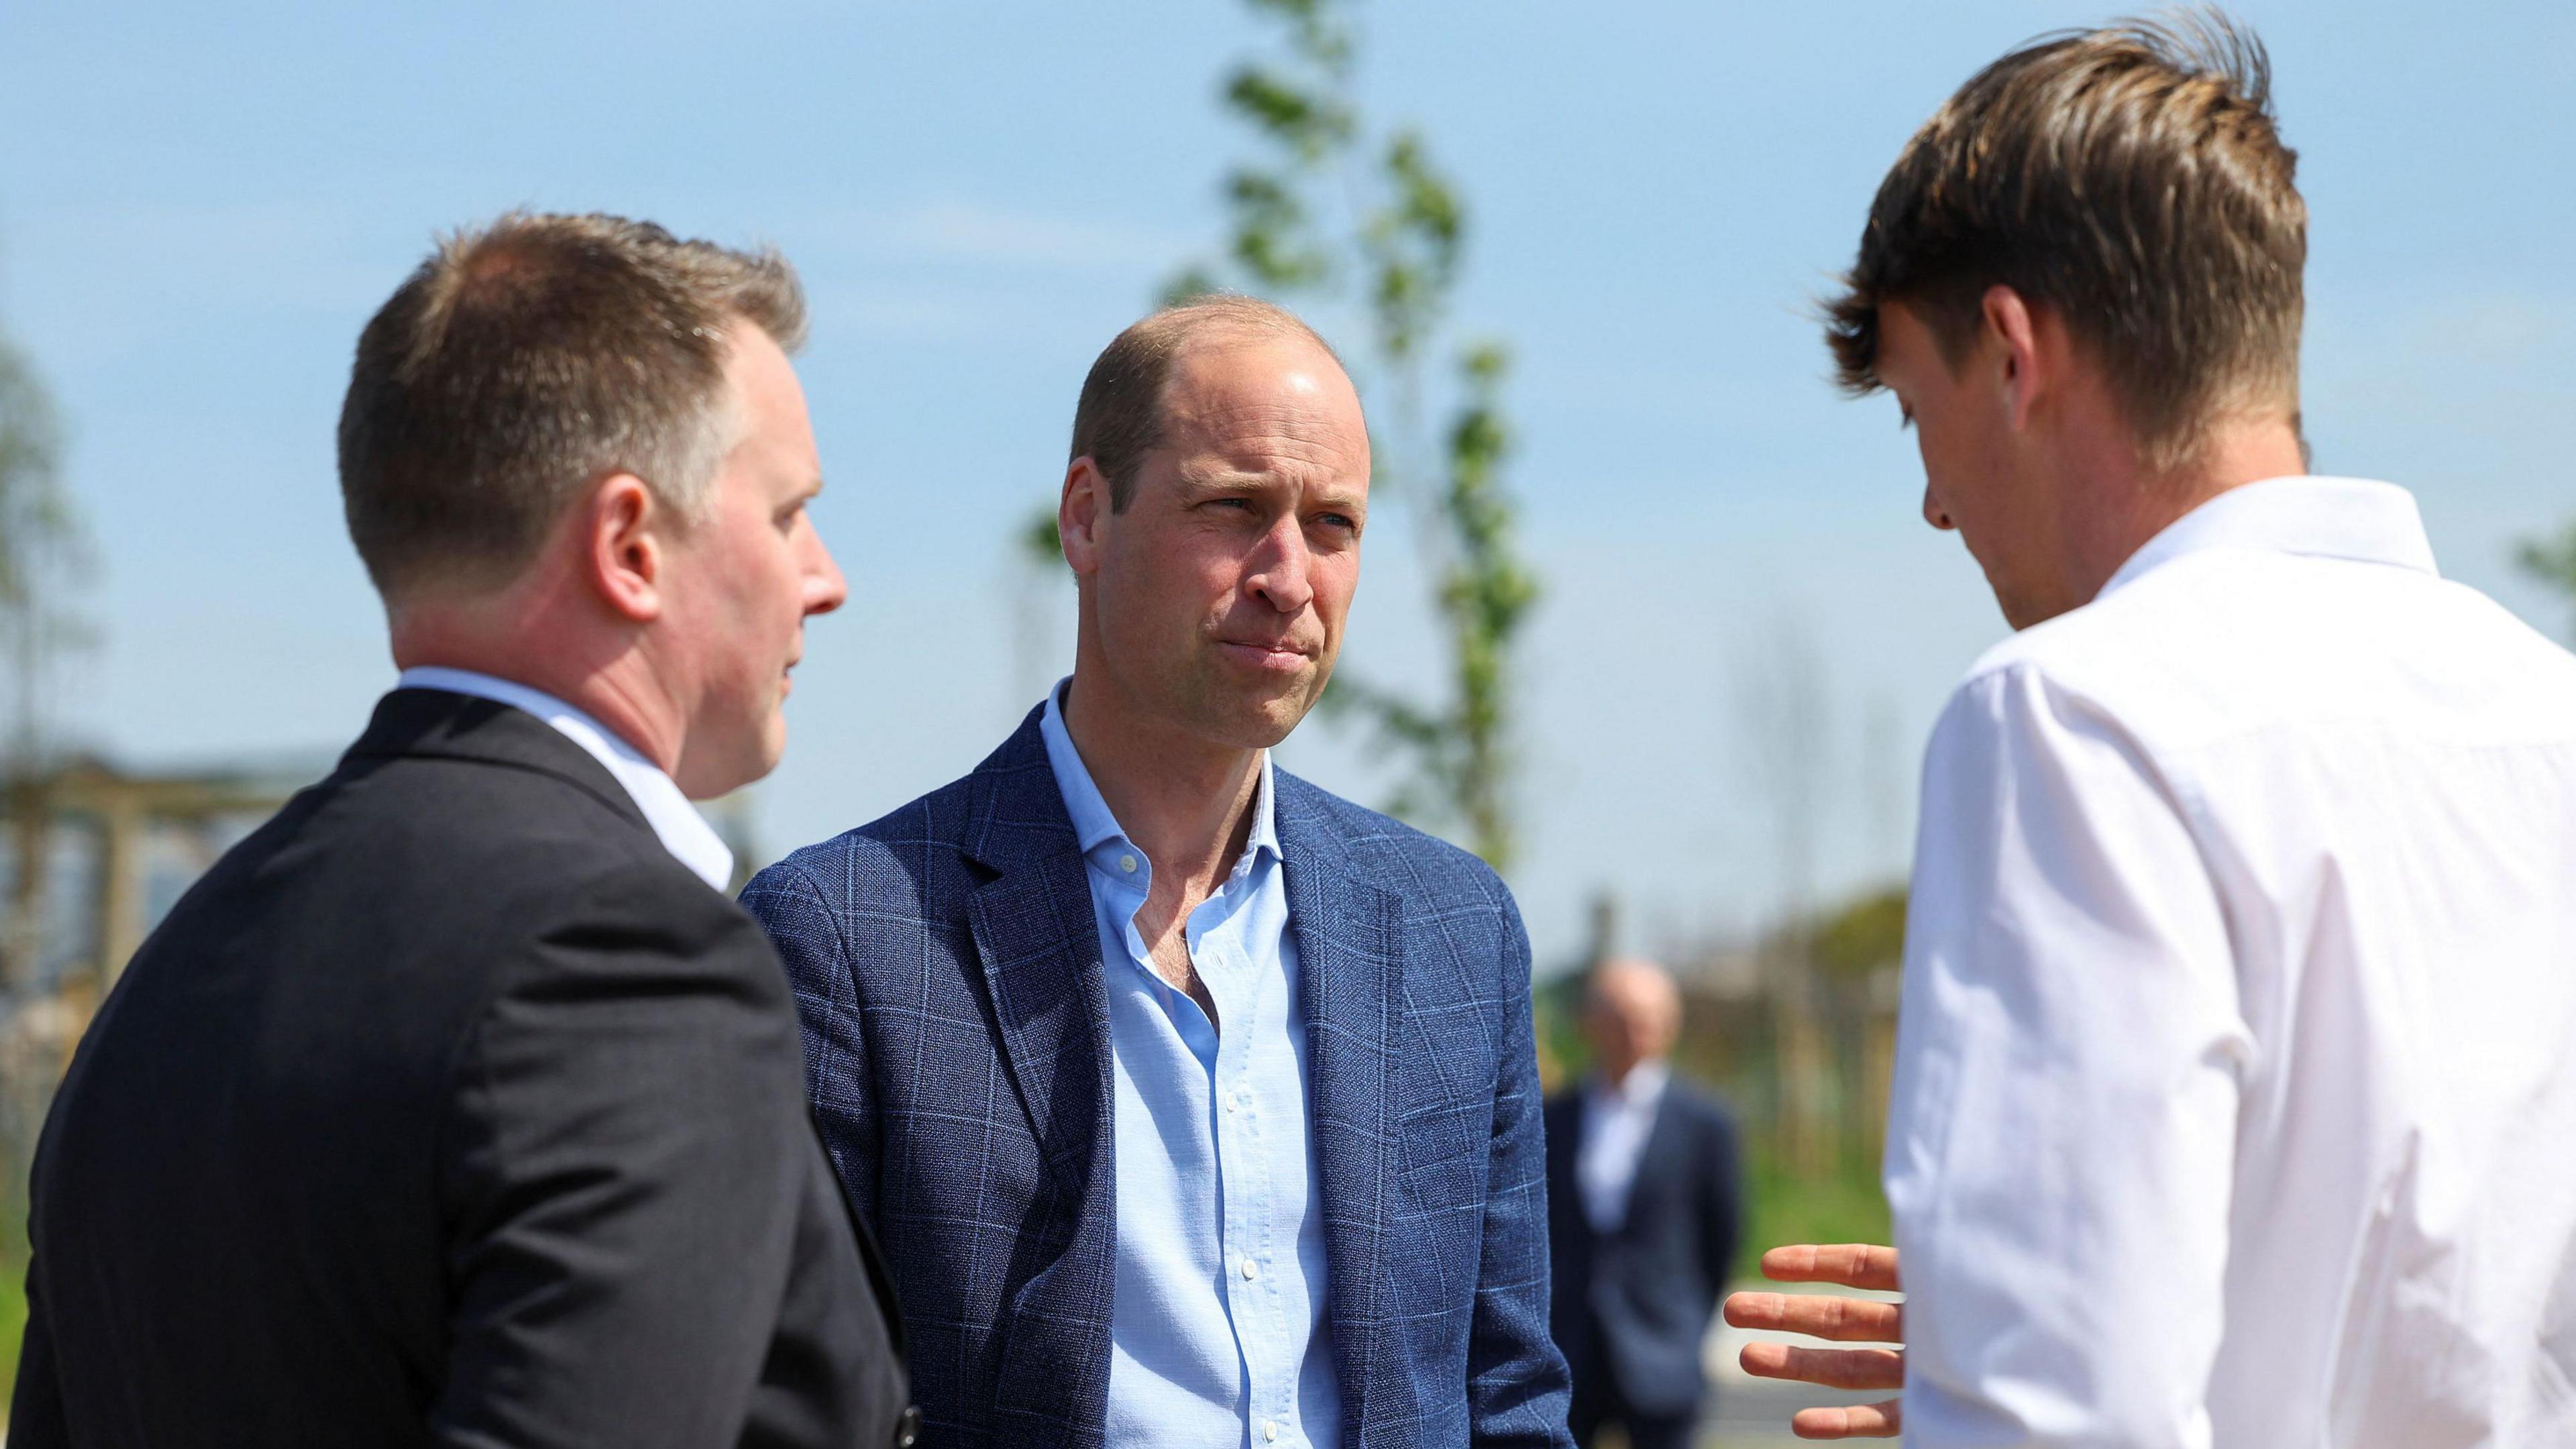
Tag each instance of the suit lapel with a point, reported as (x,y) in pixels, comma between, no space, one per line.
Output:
(1654,1159)
(1349,936)
(1039,944)
(1037,941)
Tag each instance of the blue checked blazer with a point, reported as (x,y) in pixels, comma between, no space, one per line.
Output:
(947,966)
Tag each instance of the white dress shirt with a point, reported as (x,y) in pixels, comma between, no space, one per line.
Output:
(1616,1122)
(676,823)
(2235,1096)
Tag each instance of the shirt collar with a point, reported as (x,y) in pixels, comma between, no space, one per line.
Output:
(1642,1088)
(2346,518)
(1093,824)
(676,823)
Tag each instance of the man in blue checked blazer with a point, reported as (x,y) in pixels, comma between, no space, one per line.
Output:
(1190,1104)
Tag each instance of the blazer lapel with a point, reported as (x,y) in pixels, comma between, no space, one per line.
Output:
(1349,957)
(1038,943)
(1655,1161)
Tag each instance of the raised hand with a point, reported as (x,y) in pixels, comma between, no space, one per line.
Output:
(1841,1320)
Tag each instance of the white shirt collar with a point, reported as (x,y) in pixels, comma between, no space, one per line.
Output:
(2347,518)
(681,829)
(1640,1090)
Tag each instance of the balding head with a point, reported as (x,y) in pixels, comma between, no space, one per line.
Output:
(1212,515)
(1632,1012)
(1121,416)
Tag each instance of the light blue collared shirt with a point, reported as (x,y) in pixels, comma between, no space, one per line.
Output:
(1217,1333)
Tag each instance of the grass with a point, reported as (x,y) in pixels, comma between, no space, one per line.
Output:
(13,1302)
(1844,1205)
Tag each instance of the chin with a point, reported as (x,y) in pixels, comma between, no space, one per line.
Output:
(1250,719)
(1268,720)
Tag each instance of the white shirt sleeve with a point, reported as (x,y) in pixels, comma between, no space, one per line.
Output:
(2062,1133)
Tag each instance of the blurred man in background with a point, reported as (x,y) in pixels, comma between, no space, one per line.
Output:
(1193,1105)
(2236,1073)
(1643,1207)
(458,1105)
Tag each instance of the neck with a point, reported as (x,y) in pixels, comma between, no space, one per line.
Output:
(2132,503)
(1616,1076)
(1184,800)
(553,646)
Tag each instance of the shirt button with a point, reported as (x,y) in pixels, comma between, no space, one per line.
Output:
(1230,1101)
(1269,1429)
(1127,863)
(1251,1270)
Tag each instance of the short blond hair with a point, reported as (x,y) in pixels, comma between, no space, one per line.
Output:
(2133,180)
(525,360)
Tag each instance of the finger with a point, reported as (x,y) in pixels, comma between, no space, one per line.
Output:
(1866,1421)
(1831,1368)
(1844,1320)
(1853,1265)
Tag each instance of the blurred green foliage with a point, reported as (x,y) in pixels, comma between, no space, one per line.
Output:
(2552,560)
(1336,210)
(1726,1045)
(13,1301)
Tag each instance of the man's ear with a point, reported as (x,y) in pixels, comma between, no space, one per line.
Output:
(622,528)
(2010,328)
(1079,515)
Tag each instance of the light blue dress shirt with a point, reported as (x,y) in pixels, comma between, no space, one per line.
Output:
(1217,1335)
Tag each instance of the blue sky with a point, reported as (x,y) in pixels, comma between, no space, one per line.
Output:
(200,205)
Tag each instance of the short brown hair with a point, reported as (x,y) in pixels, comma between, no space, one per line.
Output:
(1120,416)
(2133,180)
(526,360)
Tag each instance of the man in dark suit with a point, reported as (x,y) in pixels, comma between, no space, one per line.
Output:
(1643,1212)
(1192,1104)
(457,1105)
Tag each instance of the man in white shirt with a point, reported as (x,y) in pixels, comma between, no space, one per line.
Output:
(2236,1075)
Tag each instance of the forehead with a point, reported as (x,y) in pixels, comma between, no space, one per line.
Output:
(1629,989)
(768,400)
(1263,396)
(1905,342)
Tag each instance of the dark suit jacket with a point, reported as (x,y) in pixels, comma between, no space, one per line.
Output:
(948,965)
(1636,1303)
(448,1109)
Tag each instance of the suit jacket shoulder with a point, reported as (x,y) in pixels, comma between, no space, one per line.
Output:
(1412,862)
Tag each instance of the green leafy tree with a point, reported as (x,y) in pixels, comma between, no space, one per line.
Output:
(2552,560)
(1336,212)
(41,552)
(41,549)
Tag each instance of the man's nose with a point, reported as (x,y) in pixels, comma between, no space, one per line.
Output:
(825,589)
(1281,568)
(1933,513)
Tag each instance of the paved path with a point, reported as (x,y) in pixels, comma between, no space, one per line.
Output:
(1754,1413)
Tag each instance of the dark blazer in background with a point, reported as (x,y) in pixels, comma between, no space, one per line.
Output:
(948,964)
(1637,1302)
(448,1109)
